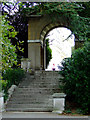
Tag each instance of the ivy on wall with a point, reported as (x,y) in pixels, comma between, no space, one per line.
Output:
(71,12)
(48,52)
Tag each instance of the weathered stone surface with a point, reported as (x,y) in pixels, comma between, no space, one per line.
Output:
(58,102)
(35,93)
(1,101)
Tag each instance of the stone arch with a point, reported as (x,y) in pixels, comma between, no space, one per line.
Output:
(43,34)
(38,27)
(48,28)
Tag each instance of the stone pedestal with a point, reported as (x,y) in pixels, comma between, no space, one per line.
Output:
(25,64)
(58,102)
(1,101)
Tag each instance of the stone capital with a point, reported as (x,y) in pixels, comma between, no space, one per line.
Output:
(34,41)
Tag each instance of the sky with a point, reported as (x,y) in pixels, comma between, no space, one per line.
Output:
(61,48)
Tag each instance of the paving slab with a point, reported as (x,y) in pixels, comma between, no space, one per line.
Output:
(39,116)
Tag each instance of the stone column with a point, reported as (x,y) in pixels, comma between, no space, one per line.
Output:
(45,56)
(42,58)
(34,54)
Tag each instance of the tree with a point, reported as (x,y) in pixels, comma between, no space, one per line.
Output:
(19,22)
(85,13)
(9,57)
(78,24)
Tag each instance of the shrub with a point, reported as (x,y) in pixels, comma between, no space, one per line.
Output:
(11,77)
(9,56)
(76,77)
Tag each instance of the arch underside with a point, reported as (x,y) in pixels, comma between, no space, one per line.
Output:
(43,34)
(48,28)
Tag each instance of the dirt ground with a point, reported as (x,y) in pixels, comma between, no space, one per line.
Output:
(71,109)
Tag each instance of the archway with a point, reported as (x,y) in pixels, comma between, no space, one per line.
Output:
(61,45)
(38,27)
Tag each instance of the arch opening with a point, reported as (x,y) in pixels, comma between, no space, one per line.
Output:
(61,45)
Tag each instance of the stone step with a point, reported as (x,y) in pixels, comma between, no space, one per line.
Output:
(28,89)
(27,100)
(37,92)
(19,101)
(41,109)
(34,92)
(38,105)
(47,72)
(38,87)
(41,84)
(43,79)
(28,96)
(33,98)
(47,78)
(30,101)
(35,88)
(31,95)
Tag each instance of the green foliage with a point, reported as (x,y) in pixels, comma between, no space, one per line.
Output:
(68,111)
(7,52)
(20,23)
(48,52)
(76,77)
(11,77)
(69,11)
(5,88)
(75,13)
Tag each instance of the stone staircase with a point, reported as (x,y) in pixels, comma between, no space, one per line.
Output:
(35,92)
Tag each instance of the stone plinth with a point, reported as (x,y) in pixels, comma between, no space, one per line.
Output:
(1,101)
(25,64)
(58,102)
